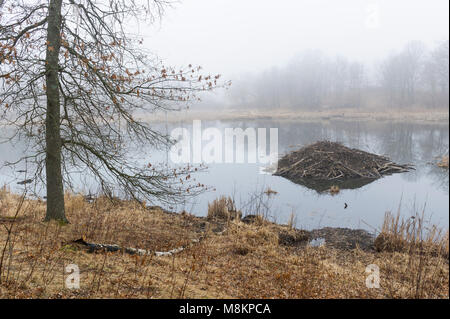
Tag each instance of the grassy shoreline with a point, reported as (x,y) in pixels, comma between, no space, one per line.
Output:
(414,115)
(234,259)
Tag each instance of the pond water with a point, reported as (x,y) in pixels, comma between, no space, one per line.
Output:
(424,189)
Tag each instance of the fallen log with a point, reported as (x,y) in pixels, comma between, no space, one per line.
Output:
(96,247)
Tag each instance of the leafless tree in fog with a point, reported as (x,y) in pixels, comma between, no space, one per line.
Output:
(71,80)
(436,75)
(412,77)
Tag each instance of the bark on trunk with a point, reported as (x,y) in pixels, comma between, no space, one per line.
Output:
(55,191)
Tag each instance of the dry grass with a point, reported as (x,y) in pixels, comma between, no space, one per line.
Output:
(419,115)
(223,208)
(443,162)
(292,220)
(334,189)
(411,235)
(424,250)
(245,261)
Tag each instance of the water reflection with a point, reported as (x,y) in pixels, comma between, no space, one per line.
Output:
(322,186)
(440,177)
(404,143)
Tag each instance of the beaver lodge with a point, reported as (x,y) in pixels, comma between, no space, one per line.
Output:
(324,164)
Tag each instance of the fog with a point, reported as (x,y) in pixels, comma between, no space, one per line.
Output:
(236,37)
(310,54)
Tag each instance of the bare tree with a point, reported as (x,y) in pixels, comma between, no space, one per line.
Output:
(412,56)
(72,80)
(440,60)
(411,77)
(357,84)
(339,80)
(400,74)
(307,75)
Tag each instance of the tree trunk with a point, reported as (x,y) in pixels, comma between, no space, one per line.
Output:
(55,190)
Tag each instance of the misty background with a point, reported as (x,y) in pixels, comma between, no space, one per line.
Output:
(312,54)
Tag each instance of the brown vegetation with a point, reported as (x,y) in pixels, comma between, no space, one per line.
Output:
(334,189)
(420,245)
(413,115)
(443,162)
(410,235)
(223,208)
(243,260)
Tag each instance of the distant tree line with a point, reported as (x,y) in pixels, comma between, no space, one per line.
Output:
(413,77)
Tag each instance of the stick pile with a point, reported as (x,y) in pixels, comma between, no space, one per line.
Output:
(329,161)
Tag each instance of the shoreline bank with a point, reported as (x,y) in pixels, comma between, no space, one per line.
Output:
(275,260)
(440,116)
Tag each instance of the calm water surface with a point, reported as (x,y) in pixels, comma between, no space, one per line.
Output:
(425,189)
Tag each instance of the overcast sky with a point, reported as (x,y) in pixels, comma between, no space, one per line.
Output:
(237,36)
